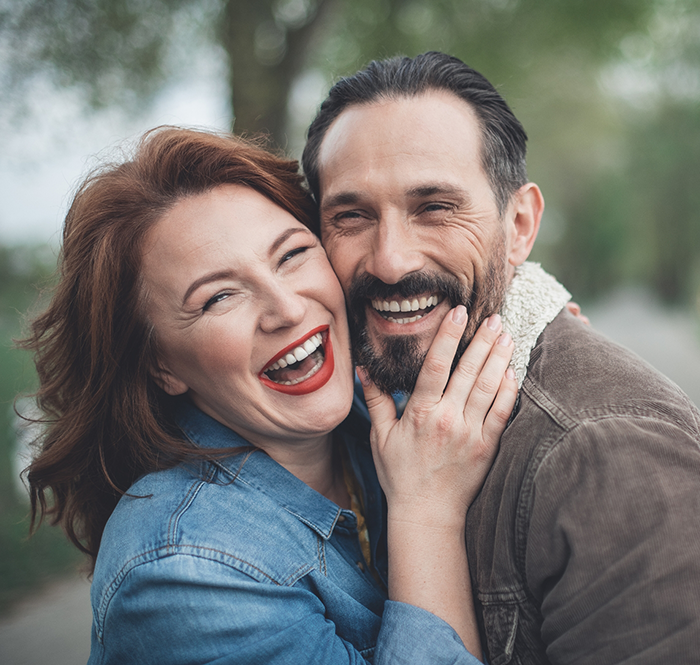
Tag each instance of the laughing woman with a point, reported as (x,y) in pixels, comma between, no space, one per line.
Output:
(196,379)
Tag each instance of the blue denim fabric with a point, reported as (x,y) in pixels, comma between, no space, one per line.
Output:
(238,561)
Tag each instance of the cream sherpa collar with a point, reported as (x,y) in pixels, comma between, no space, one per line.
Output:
(532,301)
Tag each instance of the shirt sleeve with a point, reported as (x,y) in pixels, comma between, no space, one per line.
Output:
(411,636)
(185,609)
(612,551)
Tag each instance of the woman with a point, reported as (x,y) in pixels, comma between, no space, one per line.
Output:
(196,376)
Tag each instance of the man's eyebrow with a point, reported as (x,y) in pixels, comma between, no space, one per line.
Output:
(437,188)
(340,199)
(420,191)
(227,274)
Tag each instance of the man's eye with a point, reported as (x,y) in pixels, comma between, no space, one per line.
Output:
(348,215)
(436,207)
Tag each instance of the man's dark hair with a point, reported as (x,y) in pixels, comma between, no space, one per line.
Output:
(503,137)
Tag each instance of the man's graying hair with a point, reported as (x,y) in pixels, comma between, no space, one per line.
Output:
(503,137)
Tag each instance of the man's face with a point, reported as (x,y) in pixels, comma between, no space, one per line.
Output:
(411,226)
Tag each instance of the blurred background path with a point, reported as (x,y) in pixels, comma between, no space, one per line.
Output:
(51,627)
(54,626)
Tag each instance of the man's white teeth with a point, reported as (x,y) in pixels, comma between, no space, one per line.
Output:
(410,319)
(298,354)
(405,305)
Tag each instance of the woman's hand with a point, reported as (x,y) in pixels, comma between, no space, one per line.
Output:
(575,309)
(432,462)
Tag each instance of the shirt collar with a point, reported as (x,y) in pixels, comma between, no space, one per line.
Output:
(257,469)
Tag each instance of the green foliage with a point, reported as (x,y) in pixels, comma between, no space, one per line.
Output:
(24,563)
(115,51)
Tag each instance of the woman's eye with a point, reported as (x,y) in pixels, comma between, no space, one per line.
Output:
(217,298)
(292,254)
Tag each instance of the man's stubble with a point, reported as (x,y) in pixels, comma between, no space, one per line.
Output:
(395,366)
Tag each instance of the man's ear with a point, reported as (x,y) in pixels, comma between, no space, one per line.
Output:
(166,380)
(524,215)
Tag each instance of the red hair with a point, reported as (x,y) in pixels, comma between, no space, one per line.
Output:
(107,422)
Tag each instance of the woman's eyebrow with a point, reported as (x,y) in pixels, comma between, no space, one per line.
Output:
(283,237)
(227,274)
(205,279)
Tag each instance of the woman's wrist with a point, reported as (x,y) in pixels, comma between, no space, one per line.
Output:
(433,515)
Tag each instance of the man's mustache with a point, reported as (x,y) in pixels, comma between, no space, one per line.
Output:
(367,287)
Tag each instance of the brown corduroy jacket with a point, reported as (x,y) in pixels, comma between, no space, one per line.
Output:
(584,543)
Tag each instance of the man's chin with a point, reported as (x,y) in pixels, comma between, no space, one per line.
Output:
(392,362)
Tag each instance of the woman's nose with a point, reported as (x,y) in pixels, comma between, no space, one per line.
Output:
(283,308)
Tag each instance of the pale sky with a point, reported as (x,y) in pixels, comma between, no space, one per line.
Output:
(42,162)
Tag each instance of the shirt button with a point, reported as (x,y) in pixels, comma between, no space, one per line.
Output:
(361,566)
(341,518)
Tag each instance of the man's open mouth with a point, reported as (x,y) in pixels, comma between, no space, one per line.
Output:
(302,367)
(407,310)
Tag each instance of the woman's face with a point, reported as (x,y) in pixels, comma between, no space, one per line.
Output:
(249,316)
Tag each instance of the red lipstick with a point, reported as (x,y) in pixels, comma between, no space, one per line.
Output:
(313,383)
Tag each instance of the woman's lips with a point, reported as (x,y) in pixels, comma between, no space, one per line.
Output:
(315,376)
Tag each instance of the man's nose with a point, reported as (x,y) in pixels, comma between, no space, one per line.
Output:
(283,307)
(395,251)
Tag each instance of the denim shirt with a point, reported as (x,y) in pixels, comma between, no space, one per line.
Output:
(238,561)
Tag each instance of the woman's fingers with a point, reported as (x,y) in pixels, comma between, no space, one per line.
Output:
(501,409)
(381,407)
(480,369)
(435,372)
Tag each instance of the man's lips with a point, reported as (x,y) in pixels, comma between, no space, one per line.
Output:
(302,367)
(406,310)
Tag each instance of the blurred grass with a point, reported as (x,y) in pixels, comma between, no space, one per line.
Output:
(25,563)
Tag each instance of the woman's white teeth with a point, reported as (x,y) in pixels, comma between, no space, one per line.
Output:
(298,354)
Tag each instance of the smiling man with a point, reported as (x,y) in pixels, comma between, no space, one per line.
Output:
(583,544)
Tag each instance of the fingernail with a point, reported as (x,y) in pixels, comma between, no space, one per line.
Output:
(494,322)
(459,314)
(504,339)
(510,374)
(363,376)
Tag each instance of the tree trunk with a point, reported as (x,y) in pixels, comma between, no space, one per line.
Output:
(265,57)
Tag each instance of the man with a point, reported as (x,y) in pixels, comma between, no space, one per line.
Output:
(584,543)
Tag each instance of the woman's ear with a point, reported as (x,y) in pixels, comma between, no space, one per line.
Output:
(166,380)
(524,215)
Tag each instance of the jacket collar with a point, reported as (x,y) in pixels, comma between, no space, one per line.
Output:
(533,300)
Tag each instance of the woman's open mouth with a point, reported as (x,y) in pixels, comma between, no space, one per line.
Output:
(303,367)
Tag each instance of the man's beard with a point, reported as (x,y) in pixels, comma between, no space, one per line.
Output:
(395,366)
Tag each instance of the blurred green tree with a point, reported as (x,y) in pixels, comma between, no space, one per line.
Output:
(565,66)
(121,51)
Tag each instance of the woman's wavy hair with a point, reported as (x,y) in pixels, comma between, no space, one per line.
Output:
(105,421)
